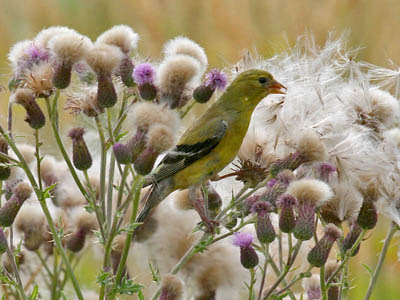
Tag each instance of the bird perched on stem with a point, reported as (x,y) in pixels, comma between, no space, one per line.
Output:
(213,141)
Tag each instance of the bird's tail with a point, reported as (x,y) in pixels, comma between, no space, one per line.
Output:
(159,191)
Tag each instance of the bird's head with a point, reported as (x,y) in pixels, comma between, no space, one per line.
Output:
(253,85)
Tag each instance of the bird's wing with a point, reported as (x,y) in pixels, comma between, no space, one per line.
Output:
(184,154)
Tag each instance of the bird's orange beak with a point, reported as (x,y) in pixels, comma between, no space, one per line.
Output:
(277,88)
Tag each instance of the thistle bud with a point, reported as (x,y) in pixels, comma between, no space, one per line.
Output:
(136,144)
(34,115)
(277,186)
(214,199)
(171,288)
(160,138)
(368,216)
(3,242)
(310,194)
(264,229)
(103,59)
(85,223)
(287,220)
(215,79)
(319,254)
(5,171)
(248,256)
(68,49)
(10,209)
(144,75)
(122,153)
(312,287)
(125,71)
(248,204)
(351,238)
(80,154)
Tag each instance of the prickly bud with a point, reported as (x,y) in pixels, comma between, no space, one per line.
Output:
(287,220)
(368,216)
(106,94)
(203,93)
(122,153)
(62,74)
(126,70)
(80,154)
(145,161)
(319,254)
(351,238)
(10,209)
(34,115)
(4,170)
(305,222)
(248,256)
(264,228)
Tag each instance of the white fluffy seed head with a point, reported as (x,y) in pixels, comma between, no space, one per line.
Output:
(183,45)
(70,47)
(27,152)
(332,231)
(311,147)
(172,288)
(145,114)
(310,190)
(43,37)
(384,106)
(30,218)
(104,58)
(23,96)
(160,138)
(311,287)
(39,79)
(392,137)
(18,52)
(177,74)
(83,220)
(121,36)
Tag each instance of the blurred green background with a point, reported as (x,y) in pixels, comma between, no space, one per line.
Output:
(225,28)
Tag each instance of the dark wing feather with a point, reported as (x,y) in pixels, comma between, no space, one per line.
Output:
(184,155)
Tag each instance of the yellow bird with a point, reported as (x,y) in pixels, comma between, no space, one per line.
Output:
(213,141)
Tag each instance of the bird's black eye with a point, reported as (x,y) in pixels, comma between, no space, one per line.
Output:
(262,80)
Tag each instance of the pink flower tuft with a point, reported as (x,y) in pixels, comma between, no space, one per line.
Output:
(242,239)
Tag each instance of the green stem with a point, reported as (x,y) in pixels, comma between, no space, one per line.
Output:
(38,159)
(382,255)
(110,170)
(129,236)
(324,290)
(44,263)
(20,287)
(262,283)
(103,162)
(252,282)
(54,278)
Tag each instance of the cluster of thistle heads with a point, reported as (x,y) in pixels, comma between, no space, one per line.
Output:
(326,154)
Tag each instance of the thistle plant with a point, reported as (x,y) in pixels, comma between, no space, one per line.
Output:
(316,170)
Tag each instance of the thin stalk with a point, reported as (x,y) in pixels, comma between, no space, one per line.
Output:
(382,255)
(54,278)
(252,282)
(96,208)
(20,287)
(262,283)
(103,163)
(324,290)
(280,250)
(129,236)
(38,159)
(43,262)
(111,169)
(46,212)
(293,282)
(10,118)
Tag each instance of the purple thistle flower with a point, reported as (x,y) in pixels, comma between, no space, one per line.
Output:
(216,79)
(144,73)
(37,54)
(242,239)
(271,183)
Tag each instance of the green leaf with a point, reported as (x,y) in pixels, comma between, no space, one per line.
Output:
(34,293)
(366,267)
(155,274)
(200,248)
(130,228)
(104,278)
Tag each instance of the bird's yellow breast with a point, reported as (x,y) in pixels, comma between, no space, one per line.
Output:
(218,158)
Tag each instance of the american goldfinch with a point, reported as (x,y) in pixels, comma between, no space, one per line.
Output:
(213,141)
